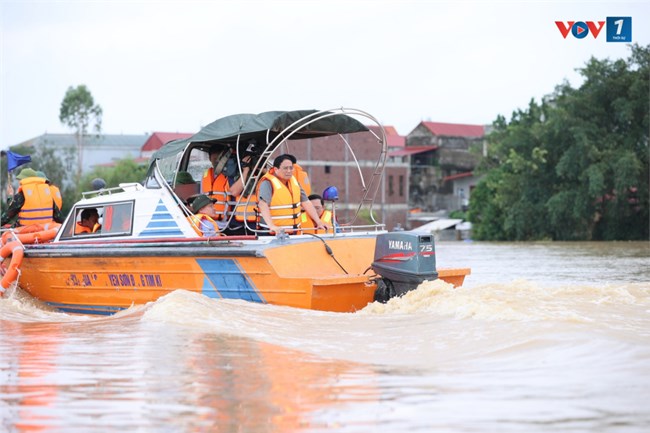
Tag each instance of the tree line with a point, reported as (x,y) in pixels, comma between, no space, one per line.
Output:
(575,166)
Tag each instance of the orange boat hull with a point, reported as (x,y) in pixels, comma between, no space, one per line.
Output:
(277,275)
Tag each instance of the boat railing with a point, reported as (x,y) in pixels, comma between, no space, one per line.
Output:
(113,190)
(369,189)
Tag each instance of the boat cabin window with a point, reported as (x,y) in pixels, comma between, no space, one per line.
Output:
(99,221)
(198,163)
(87,223)
(118,218)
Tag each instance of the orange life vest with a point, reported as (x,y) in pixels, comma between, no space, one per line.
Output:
(79,229)
(196,220)
(39,205)
(56,195)
(217,189)
(285,203)
(302,177)
(246,210)
(307,224)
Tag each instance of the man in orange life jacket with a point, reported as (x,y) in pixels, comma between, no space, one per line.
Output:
(203,221)
(222,181)
(89,222)
(280,198)
(307,224)
(34,202)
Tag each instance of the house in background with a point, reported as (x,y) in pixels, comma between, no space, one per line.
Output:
(331,163)
(442,159)
(97,149)
(157,139)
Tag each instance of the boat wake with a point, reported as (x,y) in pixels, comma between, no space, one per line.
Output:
(435,325)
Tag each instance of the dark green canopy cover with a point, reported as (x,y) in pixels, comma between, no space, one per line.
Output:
(270,124)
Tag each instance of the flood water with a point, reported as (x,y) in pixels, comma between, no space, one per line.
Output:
(542,337)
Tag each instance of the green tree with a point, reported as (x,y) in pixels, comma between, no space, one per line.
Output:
(79,112)
(574,166)
(124,171)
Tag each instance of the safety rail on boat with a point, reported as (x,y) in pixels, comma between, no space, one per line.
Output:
(113,190)
(360,216)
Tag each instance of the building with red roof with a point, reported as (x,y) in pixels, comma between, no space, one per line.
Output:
(443,157)
(158,139)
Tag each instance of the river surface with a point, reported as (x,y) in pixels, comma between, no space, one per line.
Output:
(542,337)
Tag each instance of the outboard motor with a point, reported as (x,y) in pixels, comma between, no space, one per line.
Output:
(403,260)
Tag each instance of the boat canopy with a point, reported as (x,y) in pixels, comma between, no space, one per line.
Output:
(264,128)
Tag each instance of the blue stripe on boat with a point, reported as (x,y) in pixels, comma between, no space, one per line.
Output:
(162,224)
(227,280)
(161,233)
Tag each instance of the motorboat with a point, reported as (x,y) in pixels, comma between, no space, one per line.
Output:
(148,247)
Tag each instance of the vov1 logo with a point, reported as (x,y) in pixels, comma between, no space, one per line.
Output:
(619,29)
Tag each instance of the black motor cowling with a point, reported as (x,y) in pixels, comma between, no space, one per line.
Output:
(403,260)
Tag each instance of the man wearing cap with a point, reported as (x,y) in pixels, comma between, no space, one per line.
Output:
(33,203)
(280,197)
(203,221)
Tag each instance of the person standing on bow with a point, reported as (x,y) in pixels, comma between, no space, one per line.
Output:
(280,198)
(33,203)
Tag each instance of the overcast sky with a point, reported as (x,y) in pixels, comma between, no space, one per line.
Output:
(176,66)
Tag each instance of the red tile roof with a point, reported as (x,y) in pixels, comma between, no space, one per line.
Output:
(412,150)
(157,139)
(392,136)
(455,129)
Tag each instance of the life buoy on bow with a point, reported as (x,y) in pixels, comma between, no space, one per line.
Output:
(35,233)
(16,250)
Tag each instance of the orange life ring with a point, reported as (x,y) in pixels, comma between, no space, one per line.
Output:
(16,250)
(35,233)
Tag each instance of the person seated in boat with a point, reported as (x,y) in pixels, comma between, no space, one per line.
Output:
(34,203)
(203,221)
(214,183)
(307,224)
(244,213)
(280,198)
(89,222)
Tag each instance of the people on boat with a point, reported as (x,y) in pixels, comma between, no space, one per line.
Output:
(280,199)
(203,221)
(307,224)
(89,222)
(33,203)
